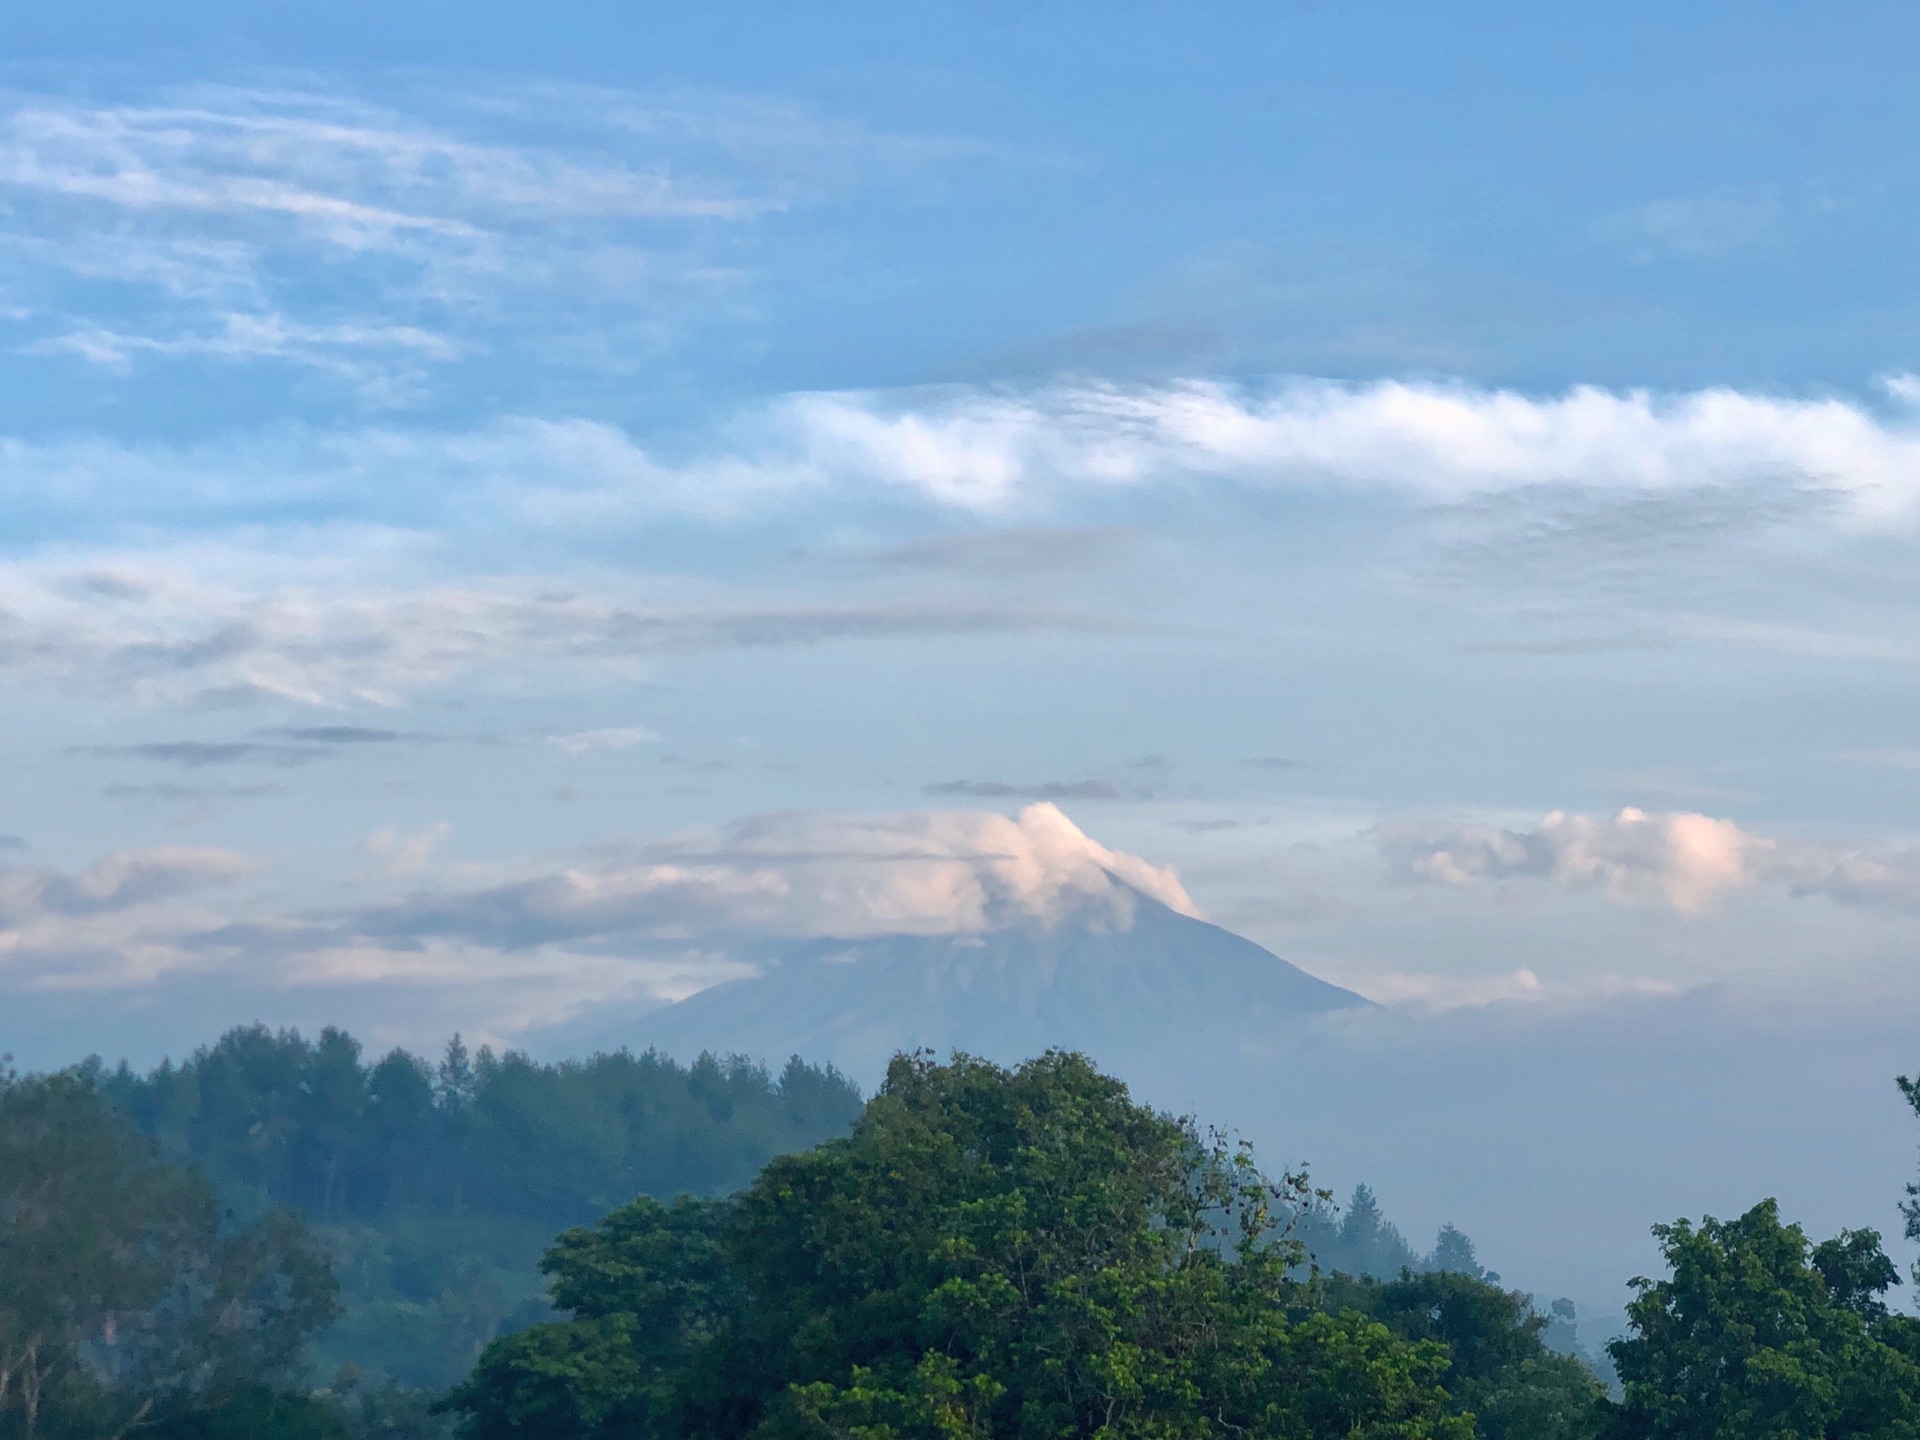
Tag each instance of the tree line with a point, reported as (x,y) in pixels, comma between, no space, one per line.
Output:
(434,1186)
(1021,1252)
(275,1119)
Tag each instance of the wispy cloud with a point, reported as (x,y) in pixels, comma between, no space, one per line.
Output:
(311,225)
(401,852)
(200,754)
(612,738)
(330,645)
(1703,226)
(1036,790)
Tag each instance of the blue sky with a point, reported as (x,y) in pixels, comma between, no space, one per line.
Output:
(1441,481)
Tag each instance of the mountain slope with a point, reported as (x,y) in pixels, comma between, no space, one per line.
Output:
(1007,994)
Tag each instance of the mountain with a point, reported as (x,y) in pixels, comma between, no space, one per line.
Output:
(1112,989)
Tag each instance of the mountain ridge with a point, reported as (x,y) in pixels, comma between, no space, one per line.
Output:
(1105,988)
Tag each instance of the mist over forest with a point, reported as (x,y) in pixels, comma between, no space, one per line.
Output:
(929,721)
(278,1235)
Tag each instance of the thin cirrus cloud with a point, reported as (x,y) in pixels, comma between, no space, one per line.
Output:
(1041,790)
(219,204)
(1687,860)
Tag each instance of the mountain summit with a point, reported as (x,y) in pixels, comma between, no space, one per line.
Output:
(1112,986)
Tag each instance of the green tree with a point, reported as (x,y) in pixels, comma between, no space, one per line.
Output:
(1910,1207)
(121,1300)
(1498,1368)
(1014,1253)
(437,1185)
(1759,1336)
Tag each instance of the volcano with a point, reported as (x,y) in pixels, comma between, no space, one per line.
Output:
(1148,981)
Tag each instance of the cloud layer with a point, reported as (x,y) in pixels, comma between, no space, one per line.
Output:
(989,451)
(620,917)
(159,634)
(846,876)
(121,921)
(1685,859)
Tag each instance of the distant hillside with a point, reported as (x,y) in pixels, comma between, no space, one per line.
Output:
(1165,981)
(437,1187)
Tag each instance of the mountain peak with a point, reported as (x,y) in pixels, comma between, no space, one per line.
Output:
(1106,978)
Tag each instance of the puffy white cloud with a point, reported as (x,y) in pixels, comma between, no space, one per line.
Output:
(989,450)
(1687,859)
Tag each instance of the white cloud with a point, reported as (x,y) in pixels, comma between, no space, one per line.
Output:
(217,207)
(1704,226)
(991,452)
(612,738)
(1429,991)
(121,921)
(805,874)
(662,920)
(406,852)
(1688,860)
(356,175)
(987,451)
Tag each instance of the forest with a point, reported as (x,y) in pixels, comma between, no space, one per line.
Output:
(277,1238)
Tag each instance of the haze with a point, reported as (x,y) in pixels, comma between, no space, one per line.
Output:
(511,512)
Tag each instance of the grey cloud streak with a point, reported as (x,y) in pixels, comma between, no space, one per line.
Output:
(1043,790)
(340,648)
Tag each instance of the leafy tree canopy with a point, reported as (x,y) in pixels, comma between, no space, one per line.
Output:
(123,1302)
(1758,1335)
(1013,1253)
(1498,1367)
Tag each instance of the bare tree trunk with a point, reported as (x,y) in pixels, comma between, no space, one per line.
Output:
(138,1415)
(31,1378)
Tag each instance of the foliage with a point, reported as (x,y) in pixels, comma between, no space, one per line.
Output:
(1910,1208)
(1499,1368)
(1360,1240)
(1759,1335)
(277,1119)
(1017,1253)
(122,1300)
(437,1186)
(1357,1240)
